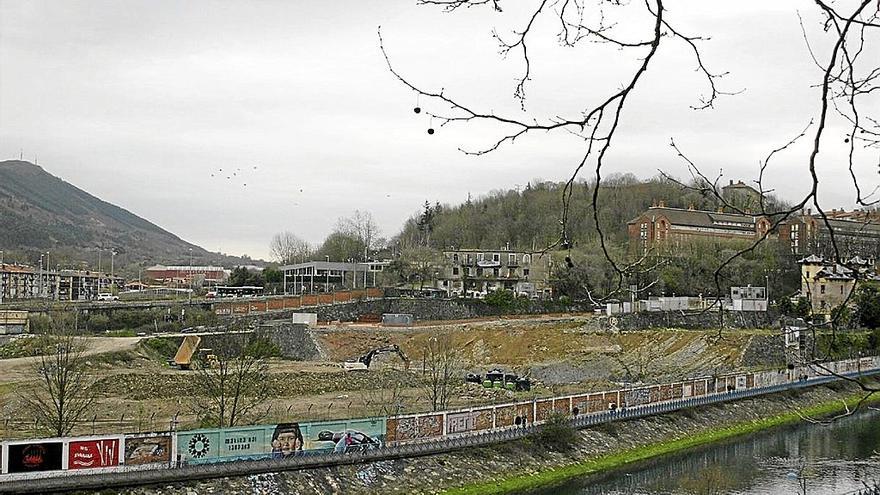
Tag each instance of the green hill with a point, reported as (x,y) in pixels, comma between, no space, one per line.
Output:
(530,218)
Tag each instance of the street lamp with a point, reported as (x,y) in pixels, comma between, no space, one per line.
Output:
(112,266)
(190,275)
(327,269)
(46,293)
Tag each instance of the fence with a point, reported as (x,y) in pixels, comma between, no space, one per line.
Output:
(141,475)
(281,303)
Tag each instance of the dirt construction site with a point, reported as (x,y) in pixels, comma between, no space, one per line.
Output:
(139,391)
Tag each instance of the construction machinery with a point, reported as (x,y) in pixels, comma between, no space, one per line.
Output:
(188,348)
(363,362)
(497,378)
(183,358)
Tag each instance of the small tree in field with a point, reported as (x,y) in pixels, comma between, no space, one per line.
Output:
(441,364)
(63,394)
(232,379)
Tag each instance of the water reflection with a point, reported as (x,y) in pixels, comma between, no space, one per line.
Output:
(806,458)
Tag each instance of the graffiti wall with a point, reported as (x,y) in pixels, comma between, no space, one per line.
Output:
(413,428)
(637,397)
(147,449)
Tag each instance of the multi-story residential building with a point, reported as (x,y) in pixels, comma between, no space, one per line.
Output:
(184,276)
(477,272)
(660,225)
(25,282)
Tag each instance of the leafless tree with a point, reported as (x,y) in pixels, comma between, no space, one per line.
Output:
(63,394)
(287,248)
(387,397)
(231,378)
(441,369)
(844,50)
(363,226)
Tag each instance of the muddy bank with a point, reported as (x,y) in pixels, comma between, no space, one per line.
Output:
(500,462)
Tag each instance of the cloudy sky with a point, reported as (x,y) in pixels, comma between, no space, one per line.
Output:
(140,103)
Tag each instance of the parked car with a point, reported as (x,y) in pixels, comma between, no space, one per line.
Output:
(107,297)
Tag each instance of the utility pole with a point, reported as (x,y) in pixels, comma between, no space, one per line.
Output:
(327,270)
(2,279)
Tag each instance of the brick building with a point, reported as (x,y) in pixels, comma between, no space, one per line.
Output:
(856,233)
(660,225)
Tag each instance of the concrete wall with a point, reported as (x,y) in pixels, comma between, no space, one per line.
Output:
(430,309)
(295,340)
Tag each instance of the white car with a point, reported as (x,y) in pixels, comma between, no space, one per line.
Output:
(107,297)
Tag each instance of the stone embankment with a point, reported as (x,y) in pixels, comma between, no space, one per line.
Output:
(439,473)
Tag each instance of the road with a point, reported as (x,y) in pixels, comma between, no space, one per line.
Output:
(16,369)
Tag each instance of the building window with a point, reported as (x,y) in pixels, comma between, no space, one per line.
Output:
(527,258)
(455,257)
(525,272)
(496,257)
(479,272)
(455,270)
(841,290)
(479,256)
(822,289)
(471,271)
(494,272)
(511,259)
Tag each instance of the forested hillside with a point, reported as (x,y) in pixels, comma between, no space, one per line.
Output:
(529,218)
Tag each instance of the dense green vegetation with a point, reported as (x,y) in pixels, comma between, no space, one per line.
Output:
(128,322)
(528,219)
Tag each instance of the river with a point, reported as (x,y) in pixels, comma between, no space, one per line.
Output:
(806,458)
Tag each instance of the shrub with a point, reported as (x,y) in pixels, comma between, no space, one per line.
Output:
(557,433)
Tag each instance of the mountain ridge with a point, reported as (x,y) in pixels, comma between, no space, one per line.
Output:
(39,212)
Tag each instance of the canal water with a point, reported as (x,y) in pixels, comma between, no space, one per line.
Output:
(806,458)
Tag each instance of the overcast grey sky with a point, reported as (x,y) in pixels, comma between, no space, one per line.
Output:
(140,103)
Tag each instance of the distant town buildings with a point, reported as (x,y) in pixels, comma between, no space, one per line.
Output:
(185,275)
(25,282)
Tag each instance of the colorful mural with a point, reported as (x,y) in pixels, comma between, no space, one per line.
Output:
(32,457)
(147,449)
(88,454)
